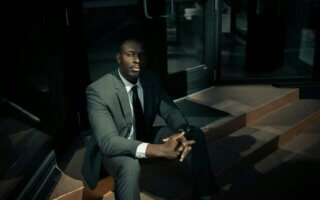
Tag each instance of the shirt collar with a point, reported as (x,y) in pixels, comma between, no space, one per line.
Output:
(128,85)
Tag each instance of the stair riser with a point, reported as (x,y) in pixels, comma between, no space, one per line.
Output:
(298,128)
(215,132)
(227,174)
(224,177)
(222,128)
(76,194)
(104,188)
(261,111)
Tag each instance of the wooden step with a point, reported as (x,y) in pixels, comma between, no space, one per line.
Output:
(238,150)
(71,184)
(287,173)
(69,188)
(307,143)
(243,147)
(255,141)
(244,103)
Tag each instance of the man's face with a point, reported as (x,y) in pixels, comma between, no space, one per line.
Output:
(131,60)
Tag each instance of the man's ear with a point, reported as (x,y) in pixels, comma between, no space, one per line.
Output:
(118,58)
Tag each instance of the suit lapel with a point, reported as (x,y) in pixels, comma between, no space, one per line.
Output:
(147,97)
(123,98)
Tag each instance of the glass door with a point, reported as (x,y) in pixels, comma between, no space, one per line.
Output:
(189,44)
(178,36)
(268,40)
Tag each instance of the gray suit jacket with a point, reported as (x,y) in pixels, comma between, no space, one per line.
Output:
(111,119)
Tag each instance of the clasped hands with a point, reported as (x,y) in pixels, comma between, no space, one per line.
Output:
(178,145)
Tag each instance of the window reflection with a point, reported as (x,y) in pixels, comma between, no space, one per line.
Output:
(268,39)
(185,36)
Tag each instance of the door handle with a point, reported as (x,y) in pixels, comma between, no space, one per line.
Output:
(146,13)
(171,11)
(145,9)
(216,6)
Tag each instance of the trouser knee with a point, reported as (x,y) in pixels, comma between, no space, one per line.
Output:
(127,180)
(129,171)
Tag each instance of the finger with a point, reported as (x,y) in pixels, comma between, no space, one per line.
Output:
(165,139)
(180,131)
(183,143)
(177,135)
(182,157)
(183,154)
(189,148)
(182,146)
(190,142)
(180,149)
(182,139)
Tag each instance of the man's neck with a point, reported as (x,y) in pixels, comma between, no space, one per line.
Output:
(134,82)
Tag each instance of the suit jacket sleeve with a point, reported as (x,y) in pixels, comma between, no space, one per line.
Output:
(104,128)
(168,110)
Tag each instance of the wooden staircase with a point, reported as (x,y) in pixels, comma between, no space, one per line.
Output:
(261,119)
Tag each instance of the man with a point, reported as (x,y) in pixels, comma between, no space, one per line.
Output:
(122,107)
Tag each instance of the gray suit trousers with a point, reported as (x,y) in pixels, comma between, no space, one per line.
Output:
(126,170)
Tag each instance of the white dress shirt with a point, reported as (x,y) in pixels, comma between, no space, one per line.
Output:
(141,150)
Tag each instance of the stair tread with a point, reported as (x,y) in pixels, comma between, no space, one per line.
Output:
(245,104)
(303,147)
(226,152)
(230,99)
(280,120)
(306,143)
(292,168)
(65,185)
(229,150)
(245,141)
(282,174)
(249,96)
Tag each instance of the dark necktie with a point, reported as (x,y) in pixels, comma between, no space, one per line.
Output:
(138,114)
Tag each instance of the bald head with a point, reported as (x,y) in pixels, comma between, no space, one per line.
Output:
(131,59)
